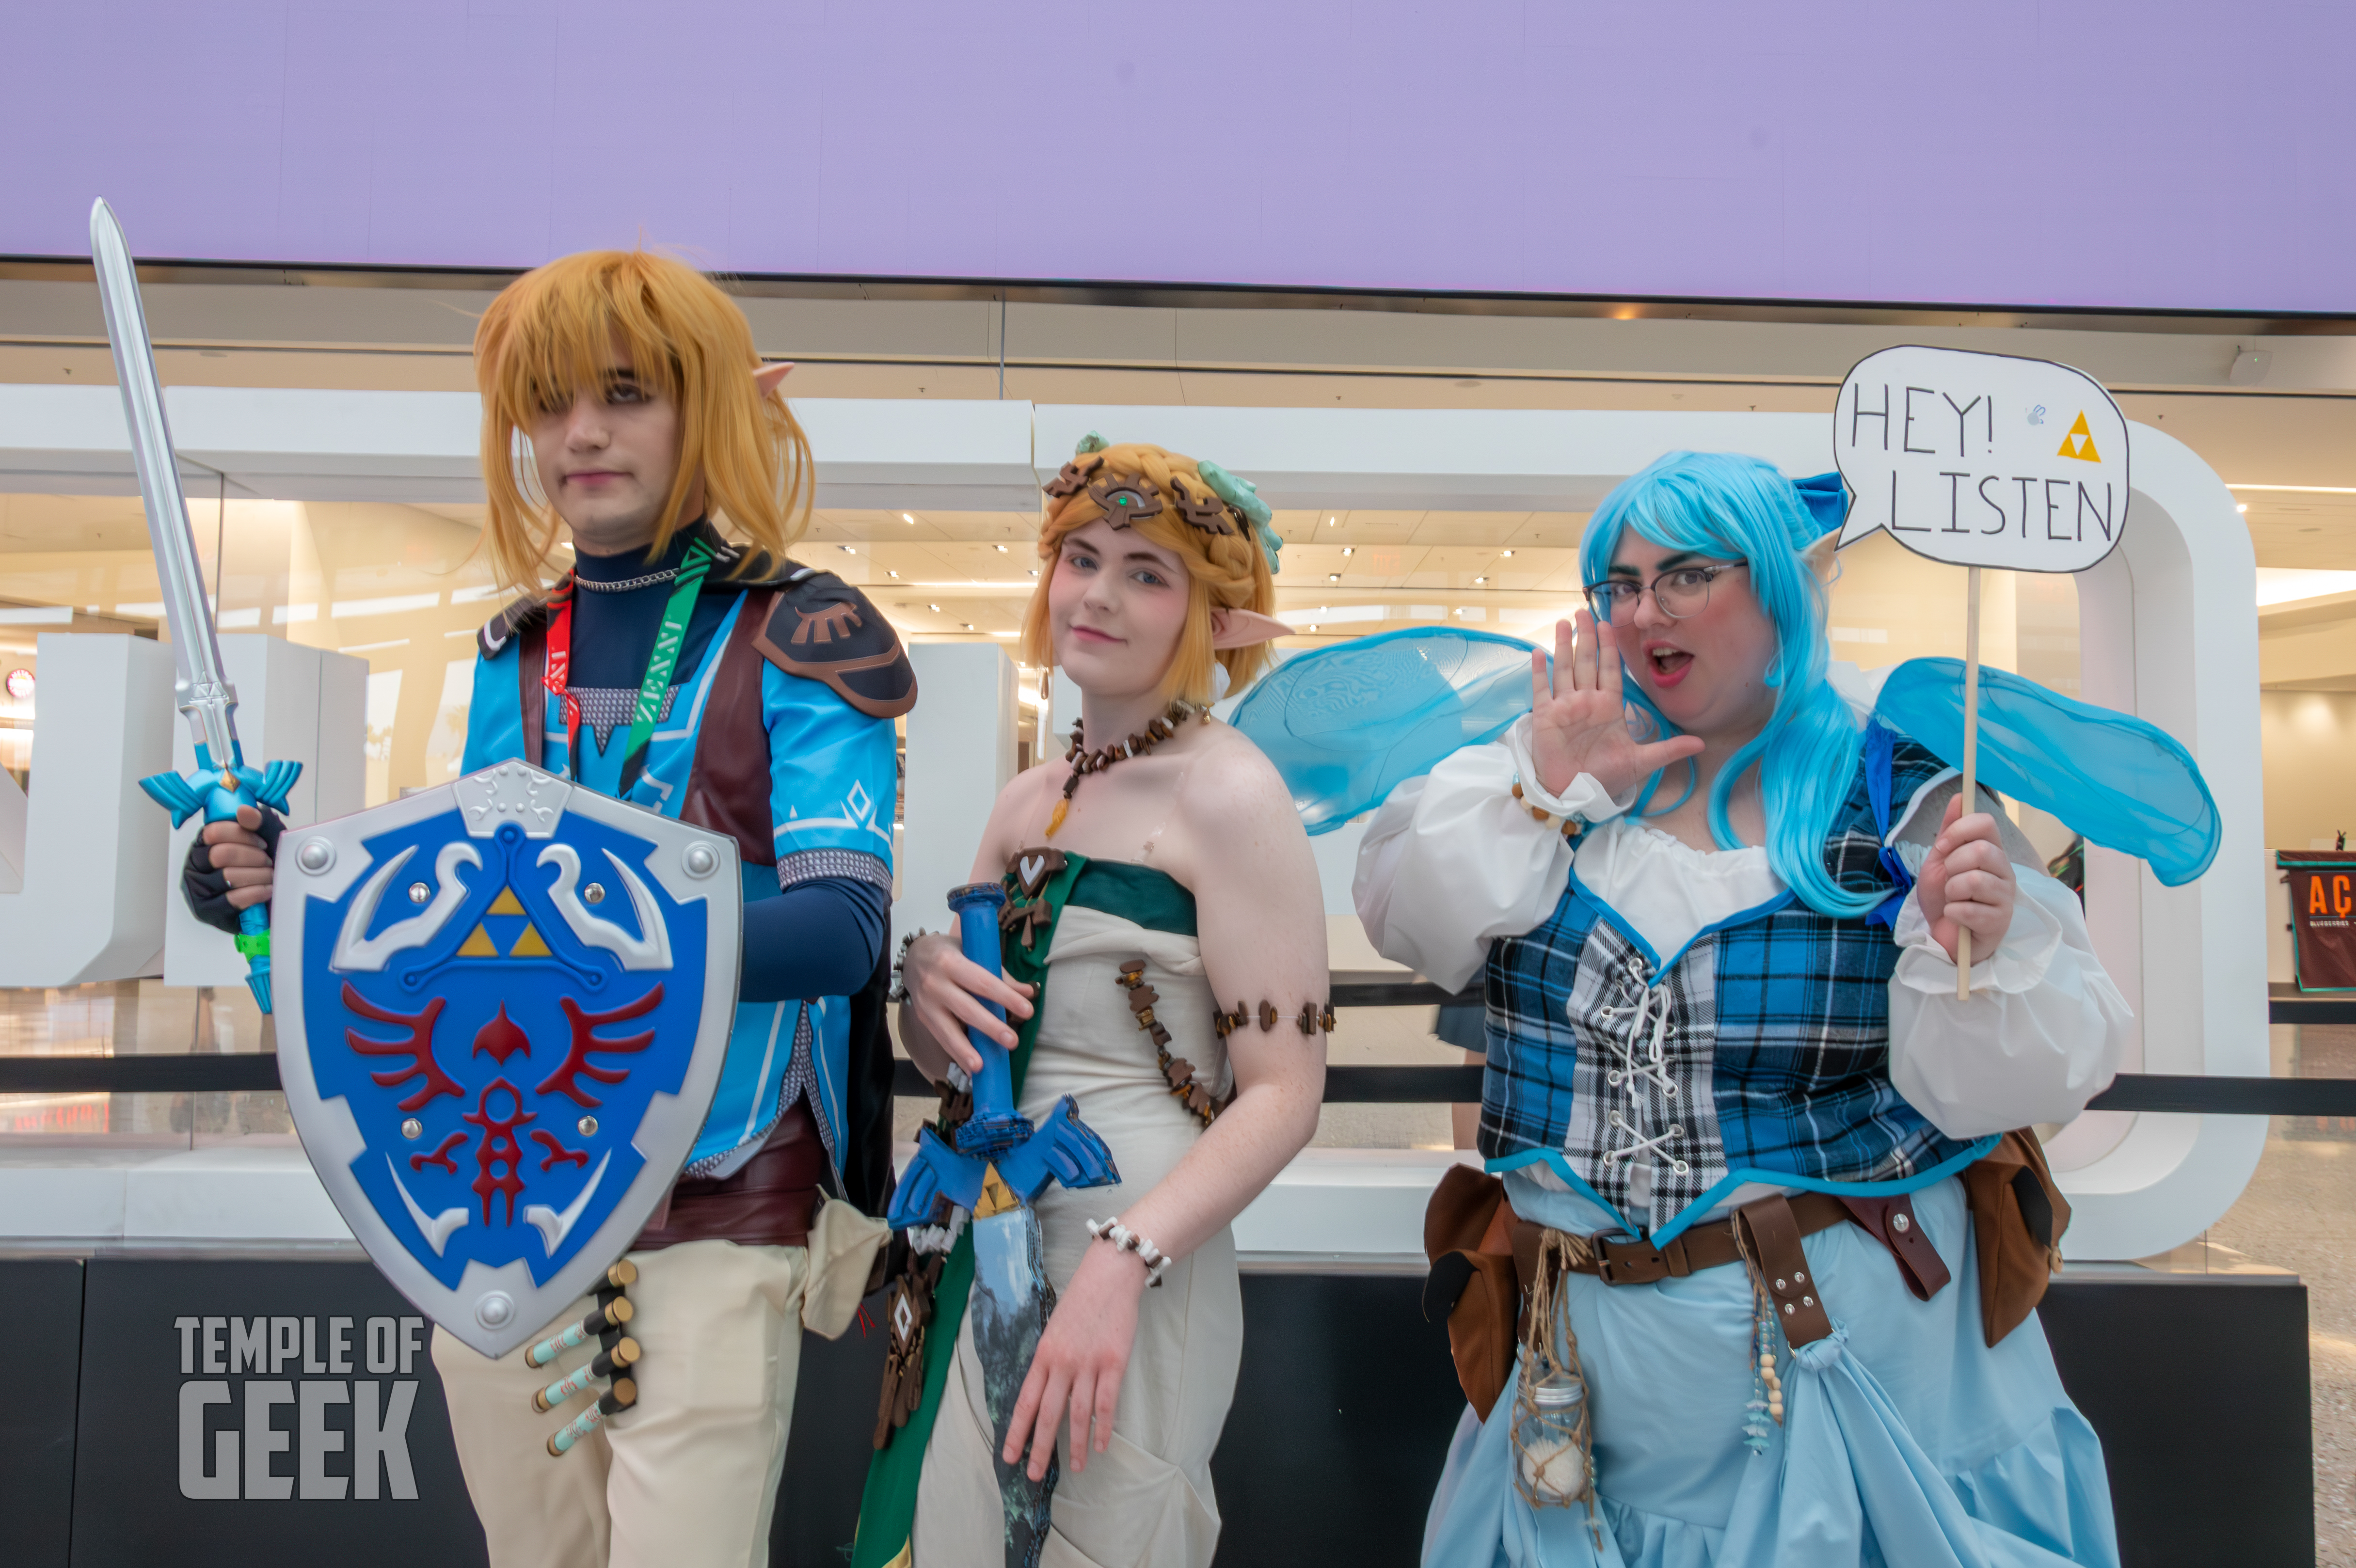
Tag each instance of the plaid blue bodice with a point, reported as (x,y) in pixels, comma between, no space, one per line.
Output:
(1758,1053)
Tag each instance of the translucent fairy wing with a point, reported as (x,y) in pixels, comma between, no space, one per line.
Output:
(1347,724)
(2125,783)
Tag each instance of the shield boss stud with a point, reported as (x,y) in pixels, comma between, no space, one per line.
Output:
(701,861)
(494,1309)
(412,1129)
(315,856)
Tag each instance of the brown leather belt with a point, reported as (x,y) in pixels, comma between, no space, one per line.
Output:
(768,1203)
(1772,1229)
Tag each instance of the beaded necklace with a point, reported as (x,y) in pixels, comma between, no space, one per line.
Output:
(1085,762)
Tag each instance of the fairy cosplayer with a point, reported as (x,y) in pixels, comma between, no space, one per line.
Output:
(1754,1194)
(686,665)
(1164,964)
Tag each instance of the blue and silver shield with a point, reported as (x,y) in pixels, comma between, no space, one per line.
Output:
(513,999)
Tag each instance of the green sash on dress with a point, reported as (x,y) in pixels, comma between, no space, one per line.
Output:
(887,1509)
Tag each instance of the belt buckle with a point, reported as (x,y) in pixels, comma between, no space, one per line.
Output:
(1629,1261)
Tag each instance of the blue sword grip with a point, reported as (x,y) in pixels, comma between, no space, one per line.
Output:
(976,906)
(218,792)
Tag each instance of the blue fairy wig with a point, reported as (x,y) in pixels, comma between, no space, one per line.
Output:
(1736,507)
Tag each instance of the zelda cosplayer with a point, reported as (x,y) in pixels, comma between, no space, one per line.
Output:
(1143,988)
(684,666)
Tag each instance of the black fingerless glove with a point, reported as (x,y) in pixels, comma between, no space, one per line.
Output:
(206,890)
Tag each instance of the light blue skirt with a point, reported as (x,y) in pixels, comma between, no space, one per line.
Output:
(1906,1439)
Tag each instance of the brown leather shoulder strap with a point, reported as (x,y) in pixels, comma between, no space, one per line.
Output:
(728,783)
(531,662)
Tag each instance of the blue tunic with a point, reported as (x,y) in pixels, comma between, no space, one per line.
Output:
(833,787)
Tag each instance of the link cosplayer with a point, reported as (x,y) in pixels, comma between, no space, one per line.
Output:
(684,666)
(1779,1246)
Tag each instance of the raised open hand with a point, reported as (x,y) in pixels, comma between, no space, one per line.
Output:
(1580,724)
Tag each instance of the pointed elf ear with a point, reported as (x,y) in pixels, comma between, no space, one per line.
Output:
(768,377)
(1823,557)
(1243,628)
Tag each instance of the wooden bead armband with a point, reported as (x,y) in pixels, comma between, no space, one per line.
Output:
(1312,1017)
(1179,1072)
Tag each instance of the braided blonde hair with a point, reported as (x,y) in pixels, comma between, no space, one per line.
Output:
(1225,572)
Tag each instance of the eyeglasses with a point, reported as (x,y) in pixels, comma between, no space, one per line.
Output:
(1681,591)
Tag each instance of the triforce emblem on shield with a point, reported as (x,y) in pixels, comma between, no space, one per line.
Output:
(513,1000)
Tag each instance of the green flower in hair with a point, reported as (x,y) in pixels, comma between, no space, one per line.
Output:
(1244,496)
(1089,442)
(1240,494)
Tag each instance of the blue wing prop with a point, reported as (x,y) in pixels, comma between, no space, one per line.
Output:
(2123,783)
(1347,724)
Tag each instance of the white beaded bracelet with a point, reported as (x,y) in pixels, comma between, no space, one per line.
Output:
(1125,1240)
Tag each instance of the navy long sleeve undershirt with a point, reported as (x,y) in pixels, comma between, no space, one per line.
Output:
(818,938)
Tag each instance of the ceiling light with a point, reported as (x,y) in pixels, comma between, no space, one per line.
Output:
(932,607)
(890,574)
(1034,571)
(1348,550)
(907,519)
(1333,577)
(1312,625)
(967,624)
(1478,580)
(2243,507)
(849,551)
(1507,554)
(1333,522)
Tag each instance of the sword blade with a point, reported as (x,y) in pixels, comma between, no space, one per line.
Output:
(203,692)
(1010,1302)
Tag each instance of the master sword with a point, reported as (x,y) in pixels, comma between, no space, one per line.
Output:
(1000,1166)
(221,781)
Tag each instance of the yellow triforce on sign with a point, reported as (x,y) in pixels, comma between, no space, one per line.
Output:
(2080,441)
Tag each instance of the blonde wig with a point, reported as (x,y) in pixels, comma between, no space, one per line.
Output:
(554,330)
(1226,571)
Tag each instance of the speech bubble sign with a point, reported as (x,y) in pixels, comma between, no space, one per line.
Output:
(1983,459)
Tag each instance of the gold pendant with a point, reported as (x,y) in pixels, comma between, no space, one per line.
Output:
(1057,819)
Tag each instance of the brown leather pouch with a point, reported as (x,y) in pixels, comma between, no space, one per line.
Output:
(1468,1236)
(2018,1219)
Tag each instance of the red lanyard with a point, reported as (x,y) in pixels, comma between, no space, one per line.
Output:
(668,640)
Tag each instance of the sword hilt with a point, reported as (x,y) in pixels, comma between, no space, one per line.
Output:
(995,1126)
(219,792)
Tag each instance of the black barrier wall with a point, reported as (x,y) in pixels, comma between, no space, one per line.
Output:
(237,1415)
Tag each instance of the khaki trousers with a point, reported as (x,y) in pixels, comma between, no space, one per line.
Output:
(688,1477)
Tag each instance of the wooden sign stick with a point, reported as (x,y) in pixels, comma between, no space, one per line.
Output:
(1971,758)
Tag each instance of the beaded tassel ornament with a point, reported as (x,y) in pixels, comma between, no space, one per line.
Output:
(1766,1402)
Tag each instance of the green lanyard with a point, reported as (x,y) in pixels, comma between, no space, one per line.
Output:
(669,638)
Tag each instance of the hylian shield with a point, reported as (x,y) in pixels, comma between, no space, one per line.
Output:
(514,995)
